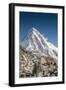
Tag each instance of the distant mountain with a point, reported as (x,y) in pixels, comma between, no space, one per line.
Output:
(37,44)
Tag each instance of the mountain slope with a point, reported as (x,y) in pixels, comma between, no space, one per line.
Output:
(36,43)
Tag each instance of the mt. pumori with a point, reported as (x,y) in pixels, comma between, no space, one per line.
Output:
(37,56)
(36,43)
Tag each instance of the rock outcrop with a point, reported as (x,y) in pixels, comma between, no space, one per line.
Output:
(36,66)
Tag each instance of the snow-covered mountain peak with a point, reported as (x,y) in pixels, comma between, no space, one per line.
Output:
(36,43)
(35,30)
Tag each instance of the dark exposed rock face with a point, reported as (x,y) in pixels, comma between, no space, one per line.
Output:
(36,66)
